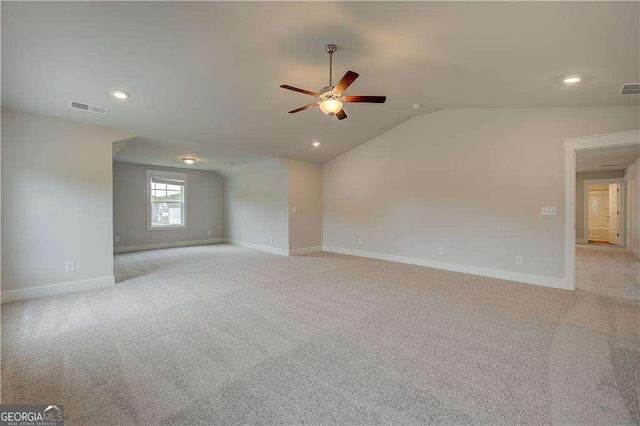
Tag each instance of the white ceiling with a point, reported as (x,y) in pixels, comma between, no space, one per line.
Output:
(208,72)
(614,158)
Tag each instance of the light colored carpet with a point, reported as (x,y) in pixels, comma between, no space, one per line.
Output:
(608,270)
(223,335)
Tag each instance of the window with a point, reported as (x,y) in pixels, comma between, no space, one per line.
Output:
(166,200)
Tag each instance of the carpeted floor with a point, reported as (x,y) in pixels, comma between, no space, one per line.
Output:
(608,271)
(223,335)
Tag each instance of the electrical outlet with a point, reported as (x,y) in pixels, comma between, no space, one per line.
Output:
(117,239)
(441,250)
(548,211)
(70,267)
(518,260)
(208,232)
(359,241)
(270,239)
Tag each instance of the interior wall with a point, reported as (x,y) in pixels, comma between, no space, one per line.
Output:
(56,201)
(256,205)
(424,185)
(580,178)
(205,198)
(305,197)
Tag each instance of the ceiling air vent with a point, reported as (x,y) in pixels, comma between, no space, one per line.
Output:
(88,108)
(631,89)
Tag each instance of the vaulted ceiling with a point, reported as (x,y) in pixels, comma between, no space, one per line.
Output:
(206,74)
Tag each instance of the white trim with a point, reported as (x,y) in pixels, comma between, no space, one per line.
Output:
(305,250)
(629,137)
(273,250)
(582,241)
(585,209)
(166,174)
(126,249)
(570,146)
(465,269)
(55,289)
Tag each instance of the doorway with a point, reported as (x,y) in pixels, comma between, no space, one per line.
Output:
(614,157)
(603,212)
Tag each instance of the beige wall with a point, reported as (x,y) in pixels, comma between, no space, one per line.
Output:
(305,196)
(470,181)
(257,204)
(205,197)
(56,201)
(580,178)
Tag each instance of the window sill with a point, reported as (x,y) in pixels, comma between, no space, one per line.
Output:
(166,228)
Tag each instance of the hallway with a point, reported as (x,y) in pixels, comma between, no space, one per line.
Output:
(608,270)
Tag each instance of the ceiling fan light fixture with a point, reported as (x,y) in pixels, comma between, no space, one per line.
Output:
(331,106)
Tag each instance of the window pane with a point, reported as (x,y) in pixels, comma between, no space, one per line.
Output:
(167,195)
(166,214)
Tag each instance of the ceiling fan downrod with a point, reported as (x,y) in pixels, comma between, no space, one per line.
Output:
(330,48)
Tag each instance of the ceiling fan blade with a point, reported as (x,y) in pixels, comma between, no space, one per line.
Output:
(346,81)
(311,105)
(341,115)
(365,98)
(295,89)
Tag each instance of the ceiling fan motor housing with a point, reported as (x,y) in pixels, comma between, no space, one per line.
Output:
(328,93)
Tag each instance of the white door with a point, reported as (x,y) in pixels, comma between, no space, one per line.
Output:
(613,213)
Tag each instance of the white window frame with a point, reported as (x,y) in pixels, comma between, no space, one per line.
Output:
(169,175)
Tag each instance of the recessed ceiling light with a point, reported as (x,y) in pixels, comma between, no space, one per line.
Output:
(572,79)
(121,94)
(189,160)
(316,144)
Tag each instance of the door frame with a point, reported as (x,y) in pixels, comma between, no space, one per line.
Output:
(629,189)
(629,137)
(585,209)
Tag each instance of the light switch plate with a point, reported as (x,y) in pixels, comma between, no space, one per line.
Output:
(294,210)
(548,211)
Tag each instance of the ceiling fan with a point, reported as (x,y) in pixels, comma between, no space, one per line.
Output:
(331,98)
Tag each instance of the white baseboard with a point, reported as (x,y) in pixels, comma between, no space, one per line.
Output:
(168,245)
(473,270)
(54,289)
(273,250)
(582,241)
(305,250)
